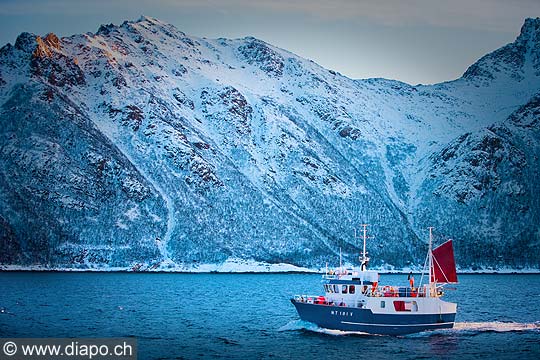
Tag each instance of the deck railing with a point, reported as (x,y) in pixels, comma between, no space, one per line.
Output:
(382,291)
(321,300)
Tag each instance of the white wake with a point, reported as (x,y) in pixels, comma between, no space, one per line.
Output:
(497,326)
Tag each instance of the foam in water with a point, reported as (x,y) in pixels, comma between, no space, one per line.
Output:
(297,325)
(465,328)
(496,326)
(305,325)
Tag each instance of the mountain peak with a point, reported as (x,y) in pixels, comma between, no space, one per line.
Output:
(38,46)
(145,23)
(148,19)
(46,45)
(530,27)
(529,35)
(511,59)
(25,41)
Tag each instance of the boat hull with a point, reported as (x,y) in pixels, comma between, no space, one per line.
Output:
(364,320)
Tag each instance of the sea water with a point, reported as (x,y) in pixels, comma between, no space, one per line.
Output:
(249,316)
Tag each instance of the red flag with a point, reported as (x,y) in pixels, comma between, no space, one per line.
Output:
(444,265)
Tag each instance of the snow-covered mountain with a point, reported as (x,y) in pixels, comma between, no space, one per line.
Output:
(140,146)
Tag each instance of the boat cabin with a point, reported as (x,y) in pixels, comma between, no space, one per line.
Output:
(349,285)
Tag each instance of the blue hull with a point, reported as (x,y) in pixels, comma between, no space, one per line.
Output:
(364,320)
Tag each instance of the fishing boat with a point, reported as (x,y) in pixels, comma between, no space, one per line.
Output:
(355,300)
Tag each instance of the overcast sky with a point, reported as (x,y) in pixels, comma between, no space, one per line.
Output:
(416,41)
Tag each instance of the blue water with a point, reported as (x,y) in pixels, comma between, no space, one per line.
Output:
(240,316)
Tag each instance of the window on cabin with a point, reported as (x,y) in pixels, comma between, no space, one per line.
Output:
(336,289)
(383,304)
(352,289)
(343,289)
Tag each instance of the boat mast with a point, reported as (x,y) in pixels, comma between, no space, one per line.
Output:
(430,261)
(365,237)
(364,259)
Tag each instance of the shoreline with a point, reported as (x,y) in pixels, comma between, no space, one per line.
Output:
(245,272)
(205,270)
(239,266)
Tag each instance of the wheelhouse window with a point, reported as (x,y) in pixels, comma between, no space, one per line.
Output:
(344,289)
(352,289)
(336,289)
